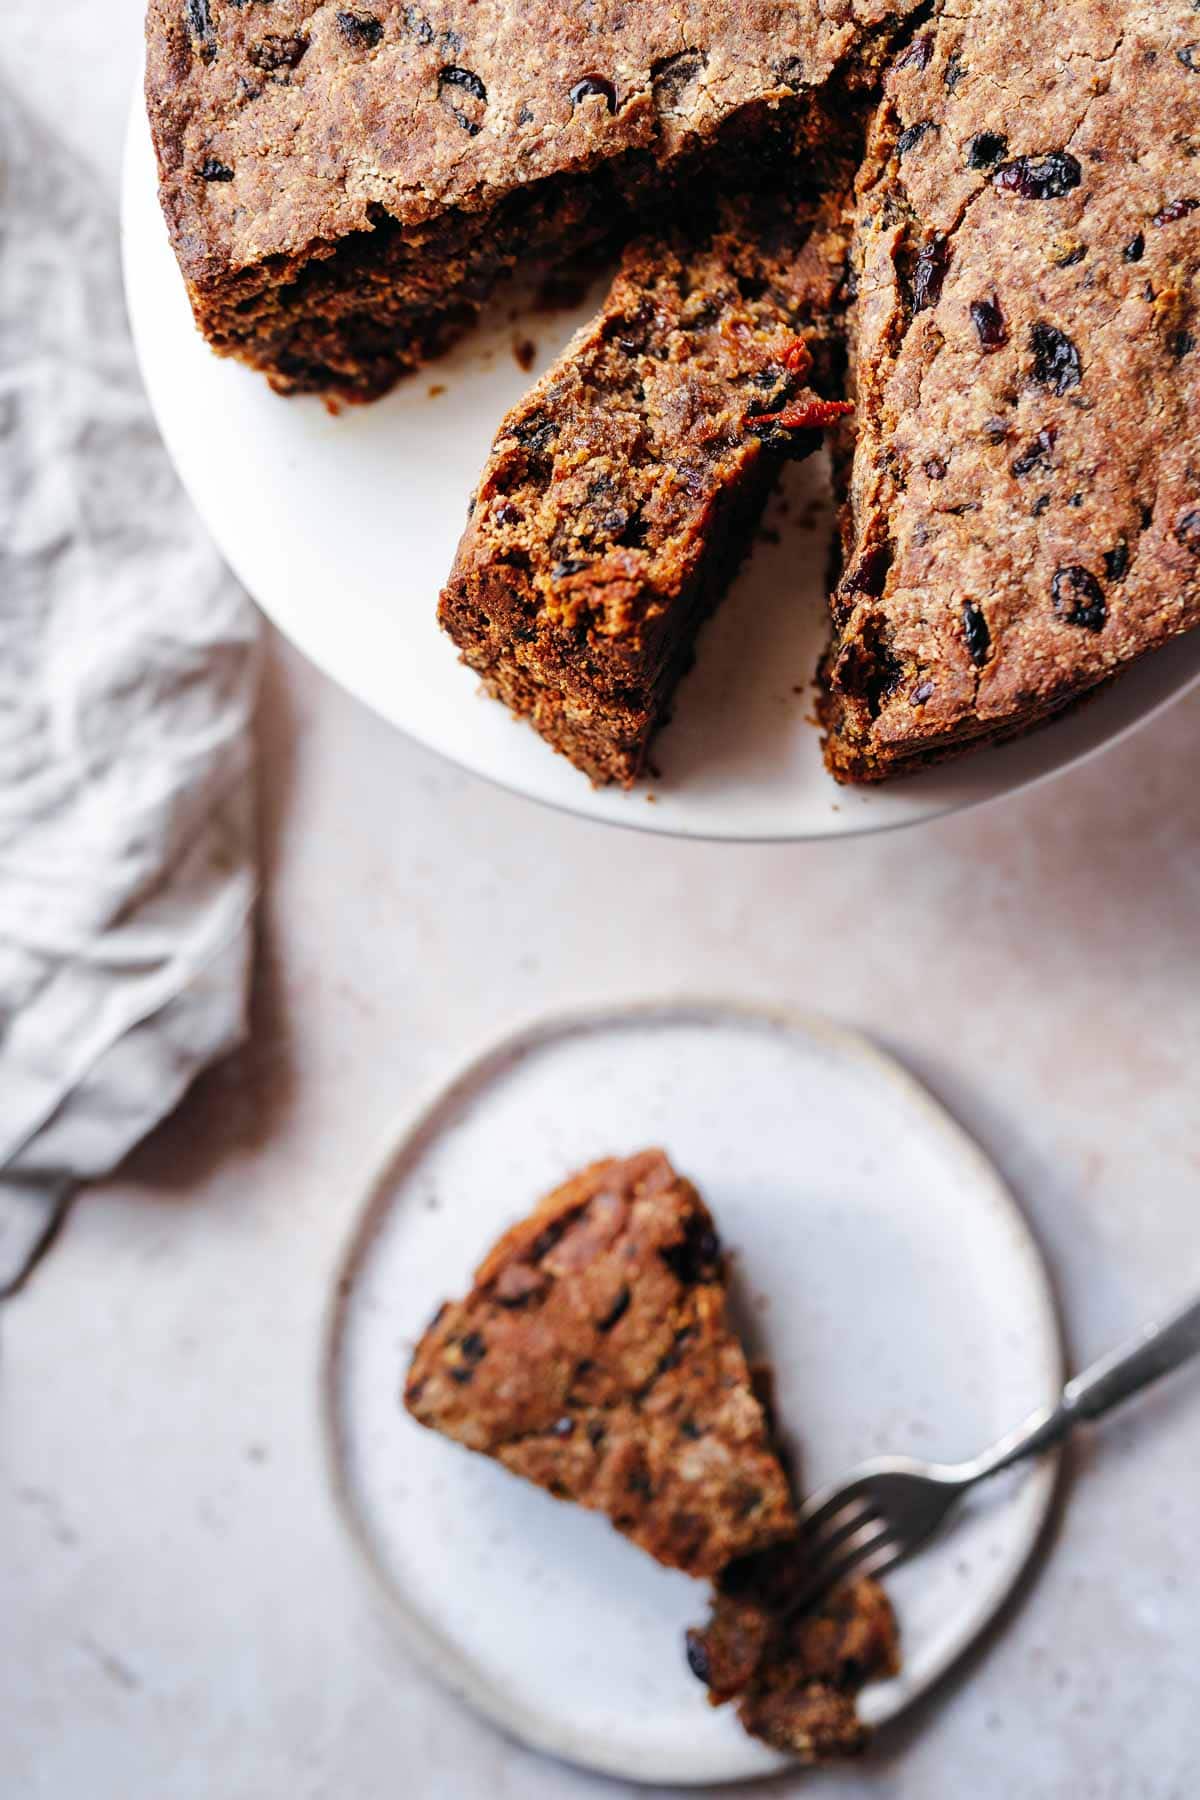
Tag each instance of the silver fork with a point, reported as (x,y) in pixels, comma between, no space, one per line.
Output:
(890,1507)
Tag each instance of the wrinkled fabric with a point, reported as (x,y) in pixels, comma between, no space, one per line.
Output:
(127,681)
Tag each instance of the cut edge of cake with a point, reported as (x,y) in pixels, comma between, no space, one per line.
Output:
(623,491)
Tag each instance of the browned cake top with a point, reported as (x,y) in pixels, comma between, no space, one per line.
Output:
(1026,483)
(598,497)
(593,1357)
(280,124)
(795,1681)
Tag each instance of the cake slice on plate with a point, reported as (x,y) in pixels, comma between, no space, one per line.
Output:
(594,1357)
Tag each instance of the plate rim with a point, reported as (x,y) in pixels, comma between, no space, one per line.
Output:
(137,162)
(401,1146)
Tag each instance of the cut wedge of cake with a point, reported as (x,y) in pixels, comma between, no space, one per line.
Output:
(594,1357)
(624,489)
(1023,516)
(345,184)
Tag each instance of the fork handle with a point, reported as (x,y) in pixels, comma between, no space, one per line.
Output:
(1155,1351)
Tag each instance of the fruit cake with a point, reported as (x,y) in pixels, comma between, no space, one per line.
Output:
(624,489)
(594,1357)
(345,184)
(794,1679)
(1023,513)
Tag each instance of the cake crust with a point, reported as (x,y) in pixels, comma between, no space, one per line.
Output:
(593,1356)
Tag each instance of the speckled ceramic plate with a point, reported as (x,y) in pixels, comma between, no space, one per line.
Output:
(344,530)
(881,1265)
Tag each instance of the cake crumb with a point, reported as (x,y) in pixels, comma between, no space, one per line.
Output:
(524,353)
(793,1676)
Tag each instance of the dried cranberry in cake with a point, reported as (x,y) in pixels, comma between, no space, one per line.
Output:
(1039,177)
(1176,210)
(801,415)
(594,1357)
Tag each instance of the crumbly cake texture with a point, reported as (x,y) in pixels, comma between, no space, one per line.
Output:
(1023,514)
(593,1356)
(344,184)
(794,1680)
(624,489)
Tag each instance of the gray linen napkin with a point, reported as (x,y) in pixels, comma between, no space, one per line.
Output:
(127,678)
